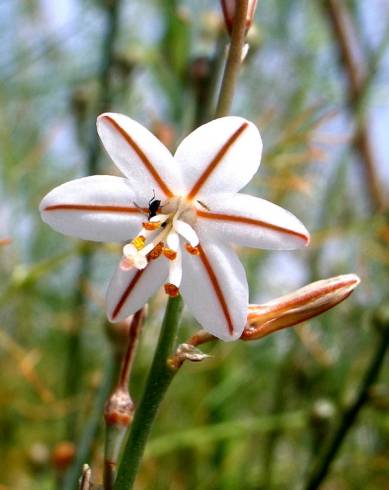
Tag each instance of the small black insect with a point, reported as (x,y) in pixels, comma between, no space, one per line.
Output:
(154,205)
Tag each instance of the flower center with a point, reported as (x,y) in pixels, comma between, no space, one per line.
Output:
(161,235)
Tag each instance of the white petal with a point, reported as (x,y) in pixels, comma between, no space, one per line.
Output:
(130,290)
(143,159)
(214,287)
(251,222)
(219,156)
(185,230)
(175,270)
(99,208)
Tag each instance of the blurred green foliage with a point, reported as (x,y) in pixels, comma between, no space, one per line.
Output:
(254,415)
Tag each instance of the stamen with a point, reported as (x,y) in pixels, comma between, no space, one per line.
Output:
(187,231)
(169,253)
(156,252)
(138,242)
(192,250)
(151,225)
(171,290)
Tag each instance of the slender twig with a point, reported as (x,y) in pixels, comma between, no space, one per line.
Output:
(158,381)
(234,59)
(90,428)
(119,408)
(74,355)
(325,460)
(206,84)
(355,69)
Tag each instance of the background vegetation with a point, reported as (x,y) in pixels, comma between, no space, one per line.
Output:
(255,415)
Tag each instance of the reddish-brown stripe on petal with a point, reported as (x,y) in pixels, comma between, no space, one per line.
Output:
(99,208)
(216,160)
(217,288)
(250,221)
(142,156)
(127,293)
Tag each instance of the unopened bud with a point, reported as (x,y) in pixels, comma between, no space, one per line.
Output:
(229,9)
(119,409)
(165,133)
(296,307)
(118,414)
(200,69)
(63,455)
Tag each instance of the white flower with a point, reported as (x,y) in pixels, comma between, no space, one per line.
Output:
(184,240)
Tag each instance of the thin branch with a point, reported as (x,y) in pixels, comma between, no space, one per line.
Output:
(119,408)
(354,66)
(90,428)
(325,460)
(234,60)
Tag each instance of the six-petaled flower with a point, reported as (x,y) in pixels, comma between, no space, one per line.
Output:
(186,243)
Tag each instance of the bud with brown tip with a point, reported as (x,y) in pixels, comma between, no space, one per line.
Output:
(229,9)
(296,307)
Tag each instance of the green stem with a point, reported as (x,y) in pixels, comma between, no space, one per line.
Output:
(90,428)
(158,381)
(322,467)
(119,408)
(234,60)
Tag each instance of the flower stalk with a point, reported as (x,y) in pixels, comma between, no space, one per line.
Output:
(119,408)
(234,59)
(159,378)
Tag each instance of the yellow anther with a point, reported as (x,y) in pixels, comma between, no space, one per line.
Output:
(169,253)
(156,252)
(192,250)
(151,225)
(139,242)
(171,290)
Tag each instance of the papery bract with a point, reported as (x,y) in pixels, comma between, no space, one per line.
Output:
(185,243)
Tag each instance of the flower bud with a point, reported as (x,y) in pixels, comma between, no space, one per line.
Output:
(63,455)
(296,307)
(229,8)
